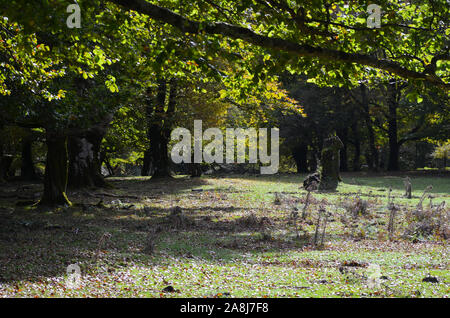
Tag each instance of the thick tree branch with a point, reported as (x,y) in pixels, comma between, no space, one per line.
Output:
(237,32)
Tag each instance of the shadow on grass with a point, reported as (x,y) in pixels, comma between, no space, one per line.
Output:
(35,245)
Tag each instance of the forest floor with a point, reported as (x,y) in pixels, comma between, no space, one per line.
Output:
(232,236)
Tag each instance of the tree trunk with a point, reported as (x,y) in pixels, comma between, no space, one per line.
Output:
(158,143)
(7,161)
(160,156)
(84,161)
(147,164)
(56,171)
(312,162)
(373,158)
(105,159)
(392,128)
(300,155)
(160,124)
(329,179)
(329,176)
(27,171)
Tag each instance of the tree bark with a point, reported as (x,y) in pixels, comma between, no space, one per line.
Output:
(373,158)
(84,160)
(147,164)
(312,162)
(27,171)
(160,124)
(6,166)
(329,176)
(160,157)
(56,171)
(150,116)
(104,159)
(158,143)
(300,155)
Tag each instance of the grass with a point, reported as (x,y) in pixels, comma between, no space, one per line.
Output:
(220,247)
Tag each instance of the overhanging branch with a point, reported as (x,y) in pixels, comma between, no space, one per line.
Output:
(303,50)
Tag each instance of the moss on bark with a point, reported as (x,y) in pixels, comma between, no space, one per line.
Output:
(329,176)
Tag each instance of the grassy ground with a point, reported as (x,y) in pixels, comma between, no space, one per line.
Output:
(221,237)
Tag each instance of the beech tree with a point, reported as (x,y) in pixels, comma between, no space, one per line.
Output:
(58,95)
(42,88)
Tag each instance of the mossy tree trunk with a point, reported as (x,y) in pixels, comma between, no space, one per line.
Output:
(159,120)
(372,157)
(329,176)
(56,171)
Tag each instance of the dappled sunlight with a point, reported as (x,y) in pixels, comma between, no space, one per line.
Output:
(221,240)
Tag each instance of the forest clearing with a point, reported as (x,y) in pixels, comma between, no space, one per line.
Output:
(225,237)
(214,149)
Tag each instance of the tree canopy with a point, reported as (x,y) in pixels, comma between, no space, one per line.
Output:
(412,41)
